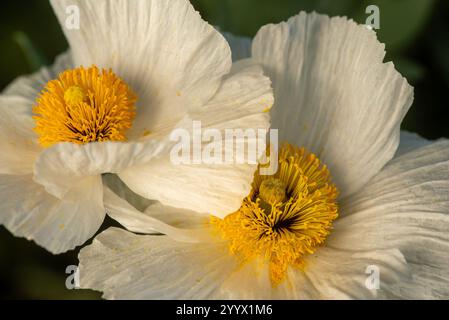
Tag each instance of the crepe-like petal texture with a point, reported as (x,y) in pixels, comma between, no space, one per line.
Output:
(334,94)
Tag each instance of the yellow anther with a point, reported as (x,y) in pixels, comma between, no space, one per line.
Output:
(303,206)
(82,106)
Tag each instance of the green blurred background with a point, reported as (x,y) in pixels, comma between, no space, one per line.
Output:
(416,34)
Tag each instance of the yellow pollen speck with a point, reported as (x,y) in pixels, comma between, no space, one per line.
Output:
(82,106)
(286,217)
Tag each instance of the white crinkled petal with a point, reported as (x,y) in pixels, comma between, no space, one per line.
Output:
(209,189)
(113,182)
(156,219)
(212,188)
(180,218)
(343,274)
(127,266)
(169,56)
(250,281)
(334,95)
(329,274)
(18,141)
(141,215)
(405,207)
(245,92)
(410,141)
(58,225)
(59,167)
(397,223)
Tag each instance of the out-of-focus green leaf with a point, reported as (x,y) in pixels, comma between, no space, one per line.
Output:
(246,17)
(439,47)
(401,21)
(410,69)
(41,283)
(34,56)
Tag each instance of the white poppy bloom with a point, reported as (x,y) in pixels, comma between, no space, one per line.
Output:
(135,71)
(385,235)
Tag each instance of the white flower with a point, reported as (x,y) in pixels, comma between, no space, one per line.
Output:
(65,126)
(335,97)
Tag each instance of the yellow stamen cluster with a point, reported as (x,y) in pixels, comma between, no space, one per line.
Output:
(84,105)
(286,216)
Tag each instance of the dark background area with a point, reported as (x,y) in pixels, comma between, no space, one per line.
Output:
(416,34)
